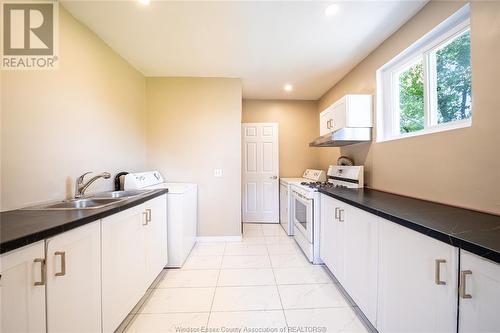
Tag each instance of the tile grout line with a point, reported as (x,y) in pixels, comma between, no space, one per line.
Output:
(277,289)
(216,284)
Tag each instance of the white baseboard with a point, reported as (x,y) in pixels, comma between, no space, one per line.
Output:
(218,239)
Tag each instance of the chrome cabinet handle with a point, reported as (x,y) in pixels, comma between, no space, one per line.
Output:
(463,289)
(63,262)
(145,220)
(42,272)
(329,124)
(148,215)
(341,218)
(336,213)
(437,271)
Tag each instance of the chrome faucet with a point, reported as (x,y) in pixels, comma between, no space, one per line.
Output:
(80,186)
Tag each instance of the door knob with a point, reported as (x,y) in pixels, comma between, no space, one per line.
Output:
(273,177)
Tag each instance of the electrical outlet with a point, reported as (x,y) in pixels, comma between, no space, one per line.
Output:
(218,172)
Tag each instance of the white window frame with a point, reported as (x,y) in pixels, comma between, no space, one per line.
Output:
(388,112)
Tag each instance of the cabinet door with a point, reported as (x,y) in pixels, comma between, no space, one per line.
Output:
(156,236)
(332,236)
(339,114)
(479,294)
(361,249)
(410,296)
(326,231)
(284,206)
(74,280)
(123,265)
(22,289)
(340,215)
(325,125)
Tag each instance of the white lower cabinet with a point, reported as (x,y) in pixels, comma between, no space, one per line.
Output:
(361,249)
(123,264)
(479,294)
(22,289)
(332,246)
(156,237)
(348,247)
(86,279)
(417,282)
(134,251)
(74,280)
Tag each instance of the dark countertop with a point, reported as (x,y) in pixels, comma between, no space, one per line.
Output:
(470,230)
(22,227)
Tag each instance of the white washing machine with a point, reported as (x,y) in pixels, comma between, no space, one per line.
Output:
(182,212)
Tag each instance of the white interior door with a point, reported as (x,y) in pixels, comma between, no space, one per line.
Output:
(260,174)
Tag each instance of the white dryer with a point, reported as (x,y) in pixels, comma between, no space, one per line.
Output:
(182,212)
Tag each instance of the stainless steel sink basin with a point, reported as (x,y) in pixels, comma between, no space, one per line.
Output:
(119,194)
(86,203)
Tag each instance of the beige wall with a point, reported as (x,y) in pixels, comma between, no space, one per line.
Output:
(55,125)
(298,125)
(193,127)
(459,167)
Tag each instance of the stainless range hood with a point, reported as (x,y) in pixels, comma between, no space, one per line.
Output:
(343,137)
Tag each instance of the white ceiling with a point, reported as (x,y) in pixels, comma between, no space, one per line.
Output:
(266,44)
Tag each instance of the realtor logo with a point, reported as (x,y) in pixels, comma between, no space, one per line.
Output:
(30,35)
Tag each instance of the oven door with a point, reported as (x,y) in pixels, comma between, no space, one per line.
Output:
(302,215)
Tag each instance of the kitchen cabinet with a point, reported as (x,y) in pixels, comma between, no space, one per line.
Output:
(123,248)
(284,206)
(134,245)
(361,256)
(22,289)
(417,282)
(349,248)
(349,111)
(156,236)
(74,280)
(332,247)
(479,294)
(325,121)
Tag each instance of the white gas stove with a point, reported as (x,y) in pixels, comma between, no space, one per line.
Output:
(339,177)
(310,175)
(305,206)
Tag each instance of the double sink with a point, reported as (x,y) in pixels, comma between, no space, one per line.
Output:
(94,201)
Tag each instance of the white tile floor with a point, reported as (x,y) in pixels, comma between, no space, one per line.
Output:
(264,281)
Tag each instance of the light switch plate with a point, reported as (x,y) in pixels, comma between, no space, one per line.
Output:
(218,172)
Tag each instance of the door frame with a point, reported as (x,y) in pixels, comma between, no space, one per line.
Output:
(243,196)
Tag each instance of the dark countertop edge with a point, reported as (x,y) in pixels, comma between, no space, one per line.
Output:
(443,237)
(107,211)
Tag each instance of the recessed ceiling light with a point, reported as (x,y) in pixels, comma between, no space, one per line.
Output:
(332,9)
(288,87)
(144,2)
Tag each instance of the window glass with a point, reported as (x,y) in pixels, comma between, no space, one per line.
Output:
(453,79)
(411,98)
(427,87)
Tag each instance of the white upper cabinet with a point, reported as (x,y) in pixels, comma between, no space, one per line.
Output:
(74,280)
(22,289)
(479,294)
(349,111)
(417,282)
